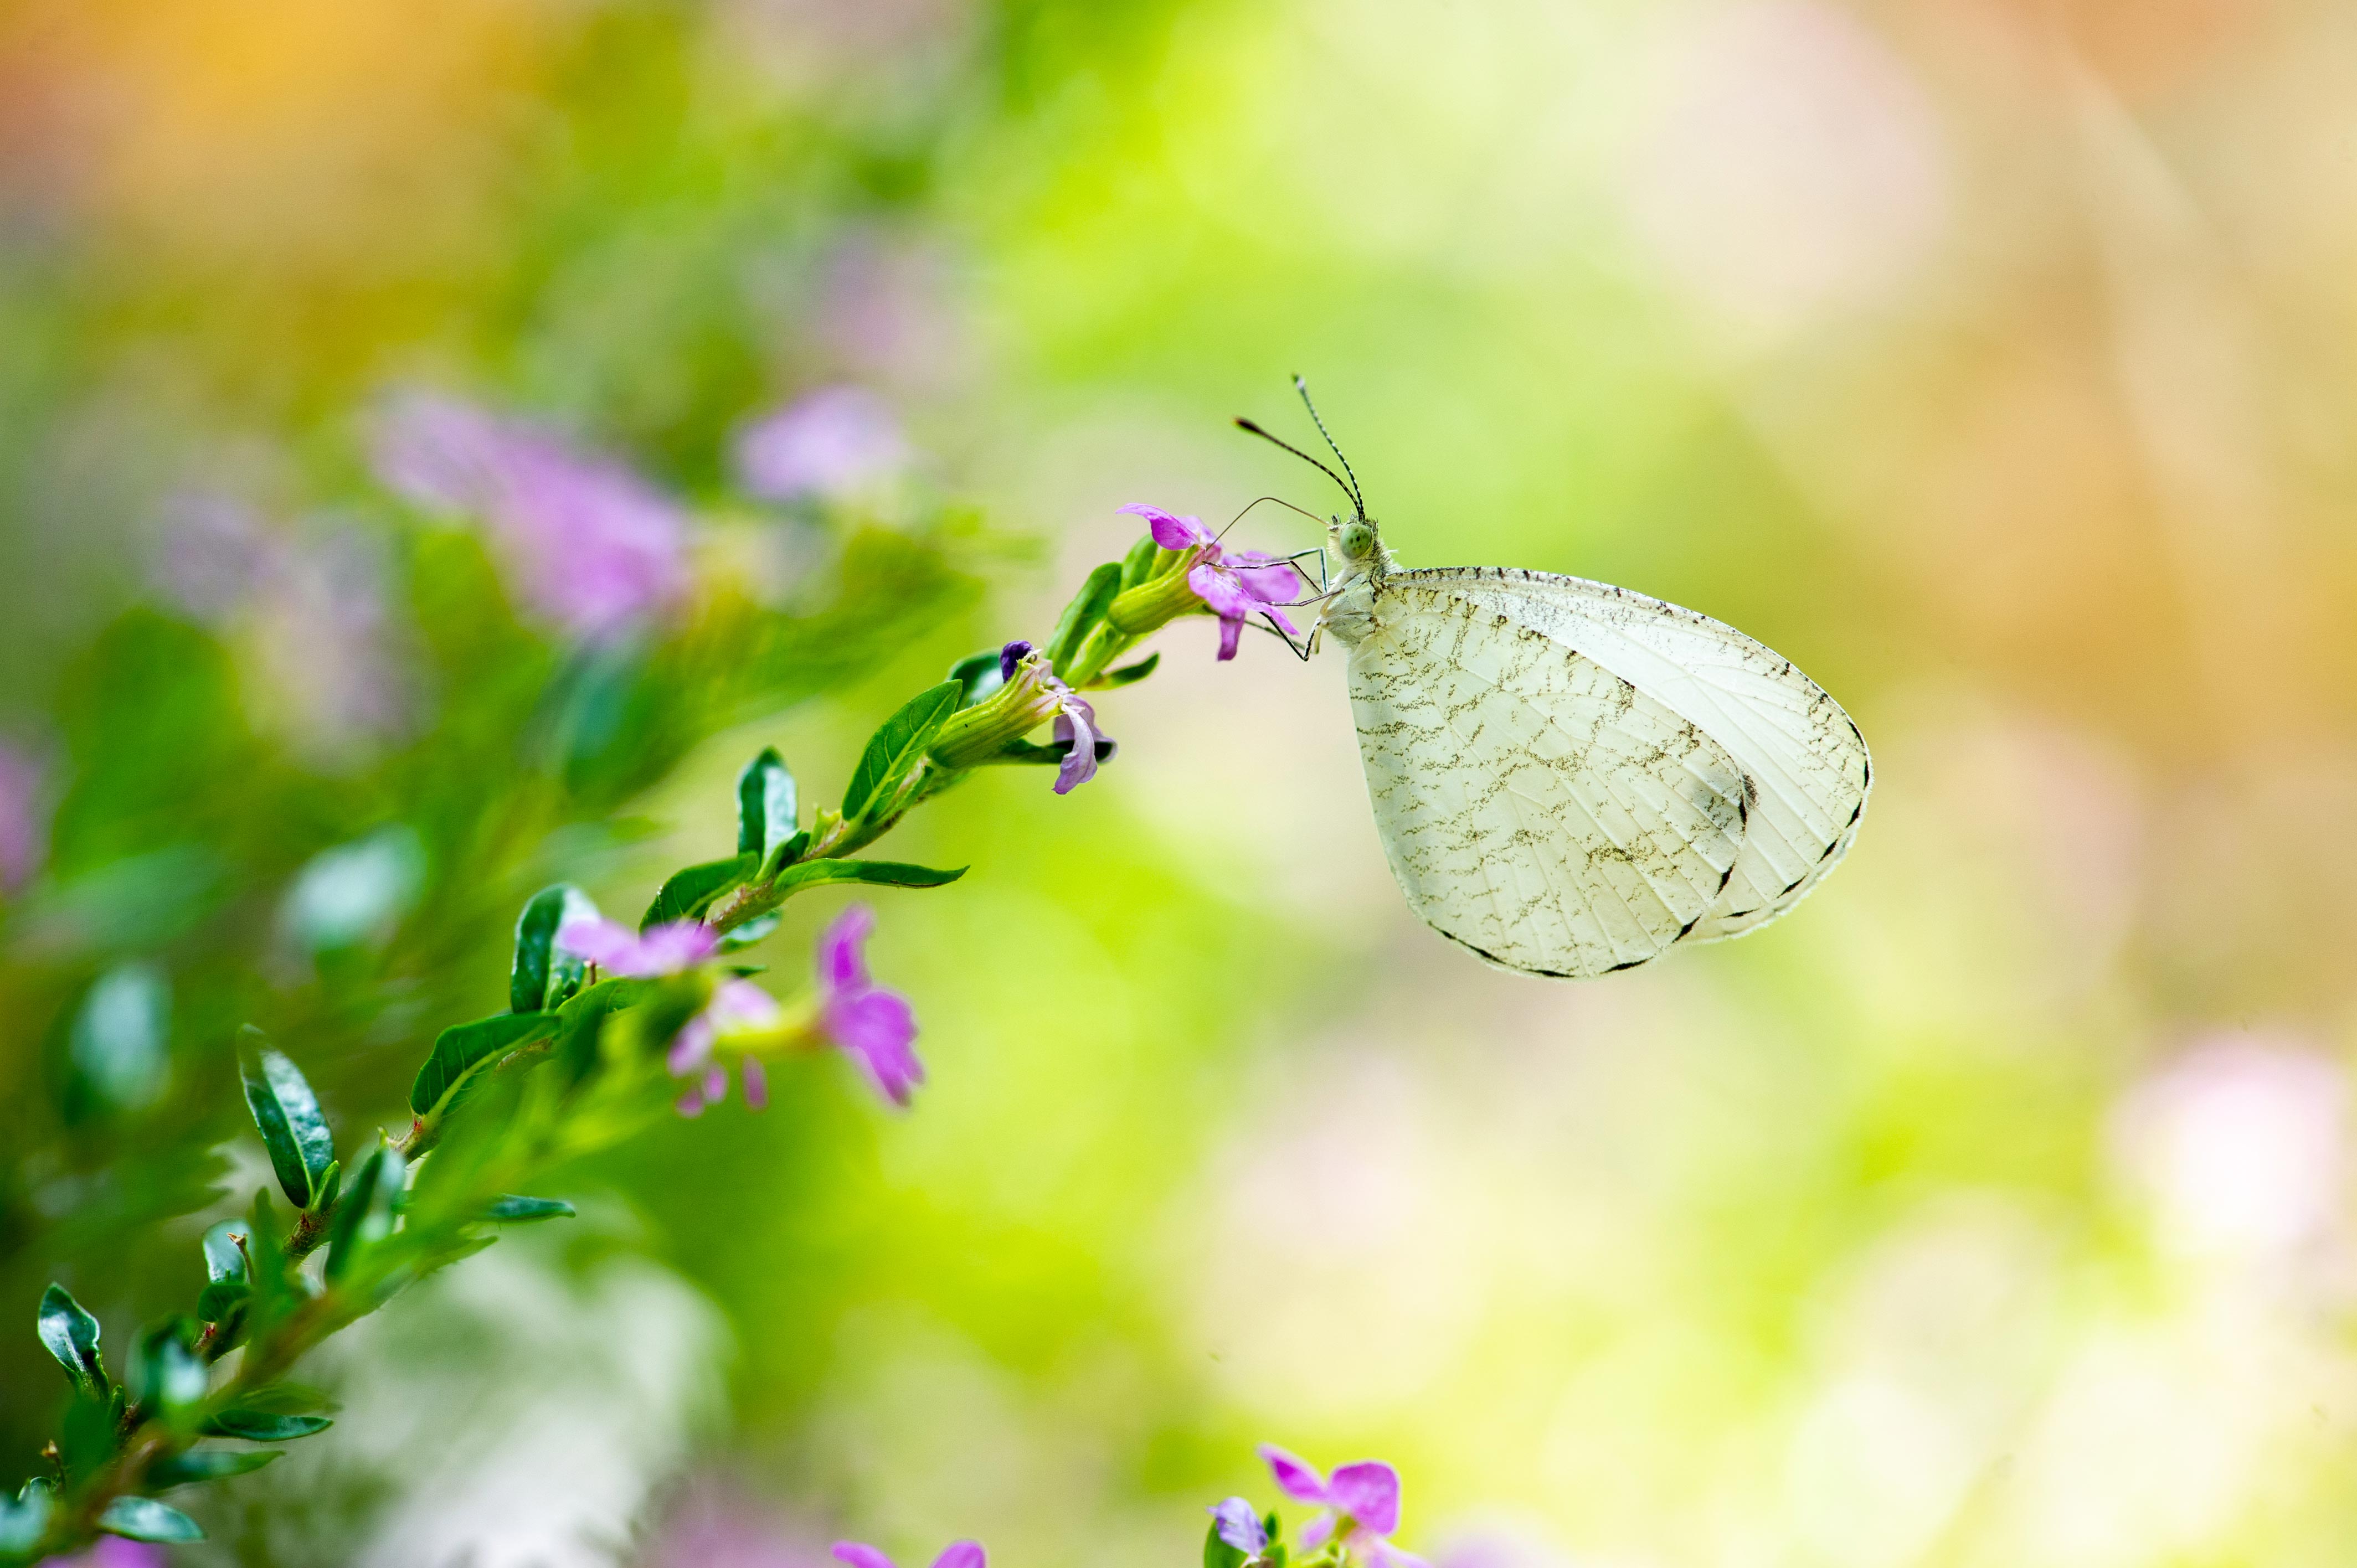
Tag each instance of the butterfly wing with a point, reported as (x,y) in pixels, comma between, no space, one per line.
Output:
(1535,807)
(1806,764)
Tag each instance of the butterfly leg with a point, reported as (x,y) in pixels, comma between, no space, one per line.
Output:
(1297,555)
(1300,650)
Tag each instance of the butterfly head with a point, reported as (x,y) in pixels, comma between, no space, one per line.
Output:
(1354,541)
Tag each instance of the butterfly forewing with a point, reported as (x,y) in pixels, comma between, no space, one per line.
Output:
(1535,806)
(1805,767)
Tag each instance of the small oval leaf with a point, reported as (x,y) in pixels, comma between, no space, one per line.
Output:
(897,748)
(517,1210)
(145,1518)
(287,1115)
(768,806)
(370,1211)
(545,974)
(690,892)
(211,1464)
(71,1335)
(264,1426)
(1080,616)
(462,1048)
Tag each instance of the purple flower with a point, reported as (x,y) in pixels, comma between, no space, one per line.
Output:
(1076,719)
(737,1003)
(874,1025)
(24,830)
(1235,584)
(833,442)
(957,1555)
(1364,1499)
(661,950)
(1240,1527)
(594,546)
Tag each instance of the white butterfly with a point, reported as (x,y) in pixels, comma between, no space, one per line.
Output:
(1571,779)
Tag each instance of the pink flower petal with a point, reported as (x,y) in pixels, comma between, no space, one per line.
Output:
(606,943)
(1231,630)
(1076,724)
(1216,587)
(860,1556)
(960,1554)
(1294,1473)
(1369,1491)
(692,1046)
(676,945)
(877,1028)
(840,967)
(757,1084)
(1170,531)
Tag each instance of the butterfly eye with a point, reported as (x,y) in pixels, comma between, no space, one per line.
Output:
(1358,539)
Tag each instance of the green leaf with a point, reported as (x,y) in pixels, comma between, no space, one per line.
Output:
(301,1147)
(264,1426)
(462,1048)
(884,872)
(768,807)
(514,1210)
(145,1518)
(1138,565)
(265,1249)
(25,1519)
(751,931)
(224,1259)
(1130,674)
(1217,1552)
(977,675)
(368,1213)
(897,748)
(222,1300)
(1082,616)
(71,1335)
(690,892)
(172,1378)
(118,1050)
(545,974)
(211,1464)
(356,892)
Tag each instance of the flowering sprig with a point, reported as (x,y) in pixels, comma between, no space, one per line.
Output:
(605,1025)
(1359,1510)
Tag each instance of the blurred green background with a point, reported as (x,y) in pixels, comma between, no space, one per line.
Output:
(1995,359)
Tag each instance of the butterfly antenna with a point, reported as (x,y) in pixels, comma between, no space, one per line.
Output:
(1357,498)
(1250,428)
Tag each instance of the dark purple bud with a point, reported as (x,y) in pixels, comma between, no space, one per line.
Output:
(1009,657)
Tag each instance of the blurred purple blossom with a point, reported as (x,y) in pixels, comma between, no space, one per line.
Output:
(712,1526)
(1235,585)
(1240,1527)
(217,552)
(660,950)
(112,1551)
(736,1002)
(957,1555)
(875,1027)
(311,598)
(833,442)
(24,826)
(592,545)
(1364,1498)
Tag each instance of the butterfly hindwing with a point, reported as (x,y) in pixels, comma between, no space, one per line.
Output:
(1535,807)
(1806,766)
